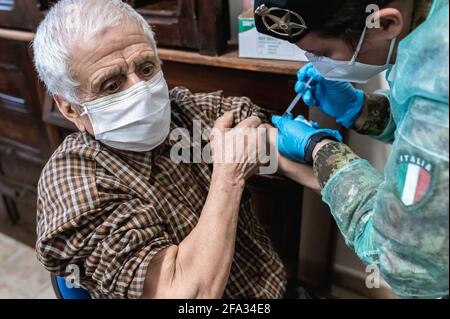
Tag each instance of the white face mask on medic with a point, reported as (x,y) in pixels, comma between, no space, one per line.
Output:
(137,119)
(349,71)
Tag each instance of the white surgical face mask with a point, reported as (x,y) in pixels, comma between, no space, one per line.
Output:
(137,119)
(349,71)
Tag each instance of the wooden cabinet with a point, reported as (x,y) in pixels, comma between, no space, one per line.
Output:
(20,14)
(18,210)
(24,145)
(201,25)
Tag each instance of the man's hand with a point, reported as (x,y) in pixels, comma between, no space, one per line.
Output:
(236,151)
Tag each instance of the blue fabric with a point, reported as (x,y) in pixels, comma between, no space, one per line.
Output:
(71,293)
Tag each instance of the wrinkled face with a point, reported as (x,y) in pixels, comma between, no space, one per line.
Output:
(110,62)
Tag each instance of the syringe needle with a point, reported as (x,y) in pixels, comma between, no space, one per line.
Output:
(297,98)
(293,104)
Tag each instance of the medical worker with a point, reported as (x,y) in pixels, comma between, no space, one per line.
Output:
(399,219)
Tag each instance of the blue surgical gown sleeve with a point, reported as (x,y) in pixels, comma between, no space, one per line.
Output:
(399,219)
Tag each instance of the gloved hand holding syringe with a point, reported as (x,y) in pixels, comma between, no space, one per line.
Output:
(337,99)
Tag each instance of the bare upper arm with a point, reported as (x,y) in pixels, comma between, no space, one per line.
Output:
(165,280)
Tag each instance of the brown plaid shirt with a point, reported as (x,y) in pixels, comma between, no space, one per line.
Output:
(110,212)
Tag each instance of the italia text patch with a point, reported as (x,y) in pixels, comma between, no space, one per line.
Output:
(414,179)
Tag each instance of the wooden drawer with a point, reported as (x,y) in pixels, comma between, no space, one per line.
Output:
(24,138)
(18,211)
(21,129)
(191,24)
(18,81)
(20,14)
(19,169)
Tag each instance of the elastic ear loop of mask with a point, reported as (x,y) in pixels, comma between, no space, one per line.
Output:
(391,50)
(85,111)
(361,42)
(359,46)
(355,55)
(358,49)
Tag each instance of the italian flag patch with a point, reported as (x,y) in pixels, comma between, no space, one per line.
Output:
(414,179)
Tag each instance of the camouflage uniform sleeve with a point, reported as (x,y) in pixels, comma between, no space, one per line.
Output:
(379,124)
(397,220)
(378,115)
(349,186)
(330,159)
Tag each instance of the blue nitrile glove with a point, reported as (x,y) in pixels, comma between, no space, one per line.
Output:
(339,100)
(298,138)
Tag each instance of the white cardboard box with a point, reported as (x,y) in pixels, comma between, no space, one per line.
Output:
(253,44)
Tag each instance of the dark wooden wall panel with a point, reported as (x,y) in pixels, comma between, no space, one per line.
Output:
(24,144)
(31,127)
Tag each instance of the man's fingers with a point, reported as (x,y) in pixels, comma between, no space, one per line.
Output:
(251,122)
(272,132)
(266,126)
(224,122)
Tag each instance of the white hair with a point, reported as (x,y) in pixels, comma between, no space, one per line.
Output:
(68,23)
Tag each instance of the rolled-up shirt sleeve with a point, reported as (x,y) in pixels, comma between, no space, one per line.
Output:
(210,106)
(128,239)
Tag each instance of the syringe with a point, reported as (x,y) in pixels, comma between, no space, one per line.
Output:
(298,98)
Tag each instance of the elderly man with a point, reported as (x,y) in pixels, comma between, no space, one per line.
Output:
(111,201)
